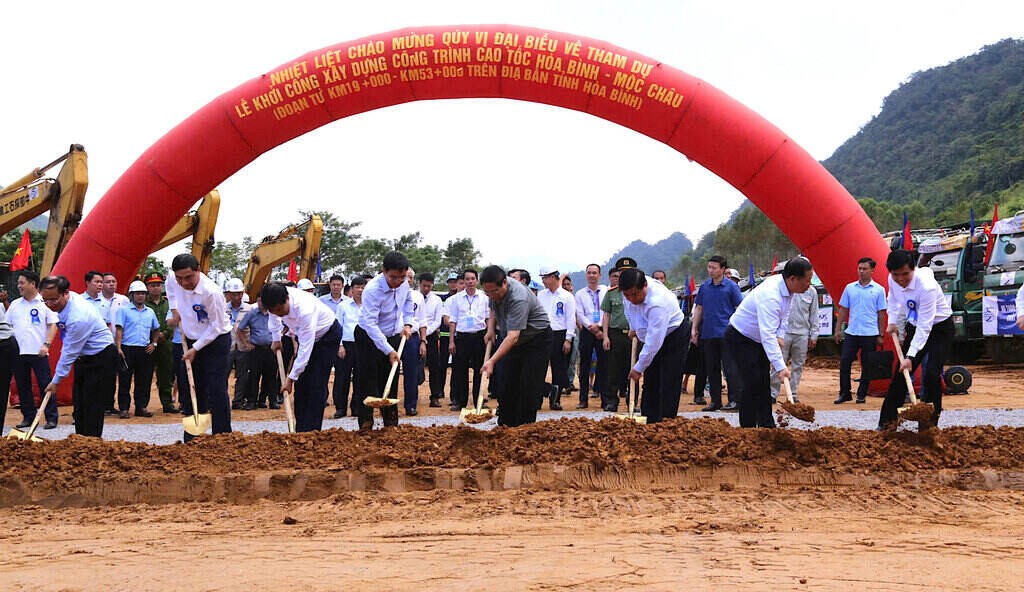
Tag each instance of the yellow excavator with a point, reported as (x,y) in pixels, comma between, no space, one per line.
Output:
(64,197)
(299,240)
(199,224)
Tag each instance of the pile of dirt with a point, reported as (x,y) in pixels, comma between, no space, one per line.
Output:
(680,442)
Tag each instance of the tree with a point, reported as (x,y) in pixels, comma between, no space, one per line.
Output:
(459,254)
(367,256)
(337,242)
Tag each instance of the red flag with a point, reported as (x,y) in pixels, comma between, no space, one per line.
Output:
(693,286)
(988,233)
(293,272)
(908,239)
(23,254)
(775,262)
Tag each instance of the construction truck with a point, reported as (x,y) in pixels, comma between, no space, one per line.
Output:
(299,240)
(62,197)
(1003,277)
(198,224)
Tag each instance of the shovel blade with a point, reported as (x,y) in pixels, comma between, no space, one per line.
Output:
(640,419)
(378,402)
(20,435)
(197,425)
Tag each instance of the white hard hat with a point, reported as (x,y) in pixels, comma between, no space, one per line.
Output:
(305,284)
(234,285)
(136,286)
(245,297)
(547,270)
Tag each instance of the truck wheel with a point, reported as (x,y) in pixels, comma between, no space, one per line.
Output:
(958,380)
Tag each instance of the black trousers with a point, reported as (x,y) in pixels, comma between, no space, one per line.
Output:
(435,364)
(181,378)
(311,388)
(95,377)
(751,380)
(24,367)
(210,370)
(344,369)
(715,359)
(265,380)
(852,346)
(589,345)
(140,368)
(519,380)
(559,361)
(372,368)
(663,379)
(934,354)
(617,371)
(8,358)
(241,362)
(442,359)
(700,375)
(412,367)
(469,354)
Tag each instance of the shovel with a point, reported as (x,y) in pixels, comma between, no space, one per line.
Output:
(479,413)
(922,413)
(289,411)
(198,423)
(30,434)
(383,400)
(631,397)
(798,410)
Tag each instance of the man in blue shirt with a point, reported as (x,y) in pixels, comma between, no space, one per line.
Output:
(88,345)
(862,307)
(263,378)
(716,300)
(136,328)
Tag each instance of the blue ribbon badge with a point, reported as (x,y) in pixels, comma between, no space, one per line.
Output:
(912,310)
(559,309)
(34,313)
(201,315)
(63,327)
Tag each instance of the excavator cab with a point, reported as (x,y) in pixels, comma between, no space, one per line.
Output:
(299,240)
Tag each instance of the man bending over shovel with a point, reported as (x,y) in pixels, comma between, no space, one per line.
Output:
(916,298)
(319,334)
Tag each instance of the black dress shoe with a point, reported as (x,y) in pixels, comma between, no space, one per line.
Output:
(24,424)
(339,414)
(861,400)
(555,405)
(275,406)
(124,414)
(595,395)
(454,407)
(435,402)
(50,425)
(581,406)
(842,399)
(236,405)
(732,406)
(700,401)
(248,406)
(610,409)
(711,407)
(261,405)
(171,409)
(411,412)
(143,413)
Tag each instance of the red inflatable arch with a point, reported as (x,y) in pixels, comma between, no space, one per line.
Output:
(475,61)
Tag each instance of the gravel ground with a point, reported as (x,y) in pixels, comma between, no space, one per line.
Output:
(861,420)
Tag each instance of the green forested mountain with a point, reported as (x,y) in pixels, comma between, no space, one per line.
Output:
(948,139)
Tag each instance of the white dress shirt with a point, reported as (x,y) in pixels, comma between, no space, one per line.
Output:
(332,303)
(116,302)
(204,315)
(561,308)
(430,313)
(30,319)
(417,306)
(763,316)
(385,310)
(588,305)
(348,315)
(308,319)
(921,304)
(469,313)
(653,319)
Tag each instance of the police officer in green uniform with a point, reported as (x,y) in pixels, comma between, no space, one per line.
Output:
(163,358)
(616,339)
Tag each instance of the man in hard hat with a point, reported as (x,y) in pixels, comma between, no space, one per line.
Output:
(240,357)
(319,336)
(86,344)
(163,355)
(136,328)
(306,285)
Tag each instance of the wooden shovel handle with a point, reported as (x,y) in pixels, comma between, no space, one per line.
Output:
(484,380)
(788,390)
(289,413)
(906,373)
(192,390)
(630,400)
(39,413)
(394,370)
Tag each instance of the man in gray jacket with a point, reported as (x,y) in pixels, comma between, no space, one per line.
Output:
(801,335)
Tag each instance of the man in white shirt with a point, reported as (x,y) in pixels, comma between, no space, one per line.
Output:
(430,313)
(468,313)
(206,334)
(333,299)
(348,315)
(916,299)
(588,320)
(94,295)
(653,312)
(561,308)
(385,317)
(415,349)
(314,325)
(34,326)
(755,336)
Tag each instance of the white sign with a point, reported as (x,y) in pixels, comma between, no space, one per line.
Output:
(1006,278)
(825,321)
(826,299)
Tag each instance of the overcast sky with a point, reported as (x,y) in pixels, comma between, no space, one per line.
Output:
(115,76)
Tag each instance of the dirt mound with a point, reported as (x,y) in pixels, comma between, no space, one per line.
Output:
(680,443)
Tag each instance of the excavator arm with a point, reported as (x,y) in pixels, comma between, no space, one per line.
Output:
(64,197)
(199,224)
(275,250)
